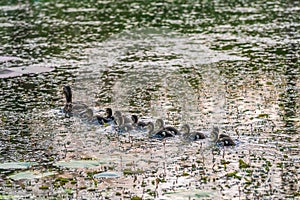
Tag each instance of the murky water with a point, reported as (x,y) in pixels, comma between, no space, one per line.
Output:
(215,63)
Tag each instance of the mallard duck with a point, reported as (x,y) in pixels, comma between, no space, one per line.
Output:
(75,108)
(193,136)
(222,138)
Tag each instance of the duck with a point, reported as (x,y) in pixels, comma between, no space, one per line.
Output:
(136,123)
(192,136)
(126,119)
(161,125)
(121,125)
(106,119)
(159,134)
(75,108)
(222,138)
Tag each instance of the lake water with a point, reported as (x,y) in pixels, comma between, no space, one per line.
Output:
(231,64)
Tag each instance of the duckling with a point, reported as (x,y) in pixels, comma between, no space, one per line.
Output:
(160,134)
(125,118)
(107,119)
(222,138)
(185,129)
(122,126)
(117,113)
(161,125)
(75,108)
(138,124)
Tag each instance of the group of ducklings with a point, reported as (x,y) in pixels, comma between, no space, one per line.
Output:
(127,124)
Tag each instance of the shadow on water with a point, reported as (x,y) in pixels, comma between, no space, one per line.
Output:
(229,64)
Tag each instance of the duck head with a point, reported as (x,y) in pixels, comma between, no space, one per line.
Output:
(134,118)
(108,112)
(68,93)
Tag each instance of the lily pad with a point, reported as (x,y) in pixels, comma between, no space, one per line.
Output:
(8,197)
(8,58)
(108,175)
(19,71)
(78,163)
(30,175)
(16,165)
(186,194)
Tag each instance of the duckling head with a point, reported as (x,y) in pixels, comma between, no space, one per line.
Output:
(185,129)
(150,127)
(119,120)
(159,123)
(118,113)
(215,134)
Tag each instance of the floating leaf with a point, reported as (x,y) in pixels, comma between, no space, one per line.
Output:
(19,71)
(17,165)
(108,175)
(186,194)
(30,175)
(8,197)
(78,163)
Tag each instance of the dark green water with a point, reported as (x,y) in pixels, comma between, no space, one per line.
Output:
(232,64)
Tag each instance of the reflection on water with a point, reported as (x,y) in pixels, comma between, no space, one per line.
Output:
(230,64)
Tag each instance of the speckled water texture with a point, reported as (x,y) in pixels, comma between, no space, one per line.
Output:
(231,64)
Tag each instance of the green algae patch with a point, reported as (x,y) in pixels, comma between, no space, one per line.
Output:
(243,164)
(233,174)
(44,187)
(136,198)
(132,172)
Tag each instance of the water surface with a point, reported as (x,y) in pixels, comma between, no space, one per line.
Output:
(215,63)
